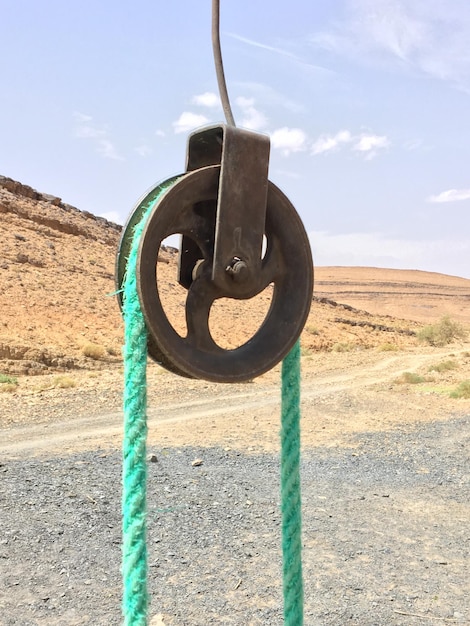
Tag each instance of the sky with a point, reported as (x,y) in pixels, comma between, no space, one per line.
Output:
(367,103)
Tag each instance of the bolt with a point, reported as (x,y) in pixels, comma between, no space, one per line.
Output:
(237,269)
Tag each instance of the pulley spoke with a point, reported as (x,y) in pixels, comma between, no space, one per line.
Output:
(198,305)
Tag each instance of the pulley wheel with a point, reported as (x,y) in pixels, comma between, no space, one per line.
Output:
(125,243)
(122,256)
(188,207)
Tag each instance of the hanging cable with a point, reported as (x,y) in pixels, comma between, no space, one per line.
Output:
(219,66)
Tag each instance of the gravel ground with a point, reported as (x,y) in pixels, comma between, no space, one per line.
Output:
(386,534)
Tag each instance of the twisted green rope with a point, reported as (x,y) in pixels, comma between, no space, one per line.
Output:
(290,489)
(134,548)
(134,479)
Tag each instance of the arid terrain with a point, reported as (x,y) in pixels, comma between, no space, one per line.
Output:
(373,393)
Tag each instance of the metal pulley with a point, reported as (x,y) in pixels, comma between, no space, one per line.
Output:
(239,234)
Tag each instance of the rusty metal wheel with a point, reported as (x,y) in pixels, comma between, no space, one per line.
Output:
(188,208)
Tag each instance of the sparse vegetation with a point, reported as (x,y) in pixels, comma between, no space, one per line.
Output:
(93,351)
(410,378)
(306,351)
(58,382)
(342,347)
(8,384)
(8,387)
(5,379)
(388,347)
(312,330)
(444,366)
(462,390)
(436,389)
(64,382)
(442,333)
(112,351)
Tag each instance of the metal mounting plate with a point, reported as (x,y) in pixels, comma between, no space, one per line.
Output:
(243,157)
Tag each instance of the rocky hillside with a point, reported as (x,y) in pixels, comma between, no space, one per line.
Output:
(56,274)
(57,282)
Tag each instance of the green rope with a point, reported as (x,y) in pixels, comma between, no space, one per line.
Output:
(134,549)
(290,489)
(134,479)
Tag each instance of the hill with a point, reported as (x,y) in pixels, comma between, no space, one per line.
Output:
(59,312)
(416,295)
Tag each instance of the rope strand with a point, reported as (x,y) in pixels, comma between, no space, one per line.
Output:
(290,489)
(134,472)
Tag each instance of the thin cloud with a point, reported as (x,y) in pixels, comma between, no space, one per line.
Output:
(99,135)
(413,144)
(252,118)
(281,51)
(289,140)
(269,97)
(208,99)
(82,117)
(327,143)
(107,149)
(188,121)
(371,144)
(367,144)
(143,150)
(430,36)
(263,46)
(451,195)
(89,132)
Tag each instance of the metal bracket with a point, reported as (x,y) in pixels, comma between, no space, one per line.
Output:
(241,206)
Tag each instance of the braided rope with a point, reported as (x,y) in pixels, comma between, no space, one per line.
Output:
(290,489)
(134,479)
(134,549)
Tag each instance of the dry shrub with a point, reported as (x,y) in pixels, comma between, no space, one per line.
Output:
(8,384)
(8,387)
(64,382)
(444,366)
(442,333)
(410,378)
(342,347)
(388,347)
(462,390)
(312,330)
(93,351)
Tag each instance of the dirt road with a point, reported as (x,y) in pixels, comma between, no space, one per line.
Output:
(341,394)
